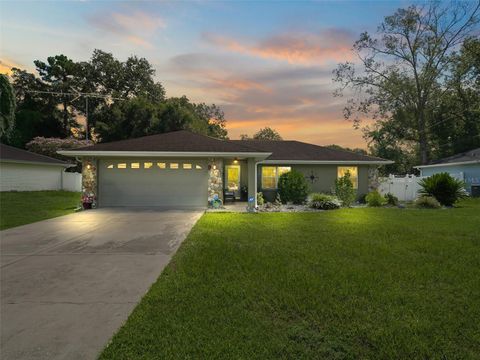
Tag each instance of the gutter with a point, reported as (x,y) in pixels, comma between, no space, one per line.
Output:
(327,162)
(471,162)
(188,154)
(11,161)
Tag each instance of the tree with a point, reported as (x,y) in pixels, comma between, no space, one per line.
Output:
(406,68)
(355,150)
(7,106)
(51,146)
(267,133)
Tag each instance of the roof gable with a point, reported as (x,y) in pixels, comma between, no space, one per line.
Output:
(13,154)
(472,155)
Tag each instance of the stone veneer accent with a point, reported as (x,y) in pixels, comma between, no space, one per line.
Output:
(373,182)
(89,177)
(215,178)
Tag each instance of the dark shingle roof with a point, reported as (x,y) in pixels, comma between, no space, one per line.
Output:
(10,153)
(296,150)
(472,155)
(175,141)
(186,141)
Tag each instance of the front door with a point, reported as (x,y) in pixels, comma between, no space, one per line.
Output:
(232,179)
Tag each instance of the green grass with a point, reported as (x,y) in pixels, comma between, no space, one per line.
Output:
(370,283)
(20,208)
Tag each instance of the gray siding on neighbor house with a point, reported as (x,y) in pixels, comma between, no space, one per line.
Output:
(325,176)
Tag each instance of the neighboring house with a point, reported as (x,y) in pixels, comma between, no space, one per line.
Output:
(183,169)
(467,163)
(22,170)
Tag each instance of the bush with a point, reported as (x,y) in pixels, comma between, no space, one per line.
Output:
(391,199)
(427,202)
(374,199)
(344,190)
(361,199)
(293,187)
(323,201)
(446,189)
(260,199)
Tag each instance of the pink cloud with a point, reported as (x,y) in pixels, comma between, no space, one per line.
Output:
(332,45)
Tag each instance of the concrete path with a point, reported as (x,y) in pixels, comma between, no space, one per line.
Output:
(67,284)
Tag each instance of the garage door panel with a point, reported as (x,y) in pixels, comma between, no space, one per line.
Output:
(152,186)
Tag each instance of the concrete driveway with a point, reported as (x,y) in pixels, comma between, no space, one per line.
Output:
(67,284)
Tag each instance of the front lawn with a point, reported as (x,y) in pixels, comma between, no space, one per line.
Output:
(20,208)
(347,284)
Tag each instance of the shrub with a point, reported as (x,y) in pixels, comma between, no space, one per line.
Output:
(293,187)
(323,201)
(374,198)
(361,199)
(446,189)
(427,202)
(344,190)
(260,199)
(391,199)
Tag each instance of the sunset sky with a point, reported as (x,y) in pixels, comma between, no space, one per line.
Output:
(265,63)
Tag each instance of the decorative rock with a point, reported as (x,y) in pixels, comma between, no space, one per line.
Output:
(373,182)
(215,179)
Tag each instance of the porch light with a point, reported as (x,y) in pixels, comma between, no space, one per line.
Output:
(89,166)
(235,161)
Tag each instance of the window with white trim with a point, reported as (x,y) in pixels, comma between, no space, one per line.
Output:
(271,174)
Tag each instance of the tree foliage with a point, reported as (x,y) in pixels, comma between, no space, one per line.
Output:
(7,106)
(267,133)
(405,72)
(124,101)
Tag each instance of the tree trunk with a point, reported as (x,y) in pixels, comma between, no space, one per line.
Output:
(422,138)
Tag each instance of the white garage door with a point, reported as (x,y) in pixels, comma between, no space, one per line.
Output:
(166,183)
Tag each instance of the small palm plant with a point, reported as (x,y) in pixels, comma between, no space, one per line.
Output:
(443,187)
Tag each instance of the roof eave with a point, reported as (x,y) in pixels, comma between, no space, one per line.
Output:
(448,164)
(13,161)
(329,162)
(190,154)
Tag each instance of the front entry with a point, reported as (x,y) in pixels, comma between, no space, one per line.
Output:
(232,179)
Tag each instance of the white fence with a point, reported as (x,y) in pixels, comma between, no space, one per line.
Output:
(405,188)
(72,181)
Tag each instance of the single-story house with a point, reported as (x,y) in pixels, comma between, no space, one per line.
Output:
(183,169)
(22,170)
(466,164)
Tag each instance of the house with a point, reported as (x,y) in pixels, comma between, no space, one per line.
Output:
(467,164)
(22,170)
(183,169)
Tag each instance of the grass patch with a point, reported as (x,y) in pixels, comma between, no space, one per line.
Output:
(370,283)
(20,208)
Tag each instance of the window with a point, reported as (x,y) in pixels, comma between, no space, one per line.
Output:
(110,166)
(135,165)
(173,165)
(161,165)
(232,177)
(198,167)
(353,170)
(270,175)
(187,166)
(147,165)
(122,166)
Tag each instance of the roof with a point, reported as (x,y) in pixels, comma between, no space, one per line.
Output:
(299,151)
(183,143)
(468,157)
(13,154)
(175,141)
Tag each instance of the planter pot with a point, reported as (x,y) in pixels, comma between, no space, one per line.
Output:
(87,206)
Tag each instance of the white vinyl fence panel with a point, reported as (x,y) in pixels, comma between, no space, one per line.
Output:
(406,187)
(72,181)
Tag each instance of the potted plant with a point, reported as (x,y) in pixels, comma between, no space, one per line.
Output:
(88,199)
